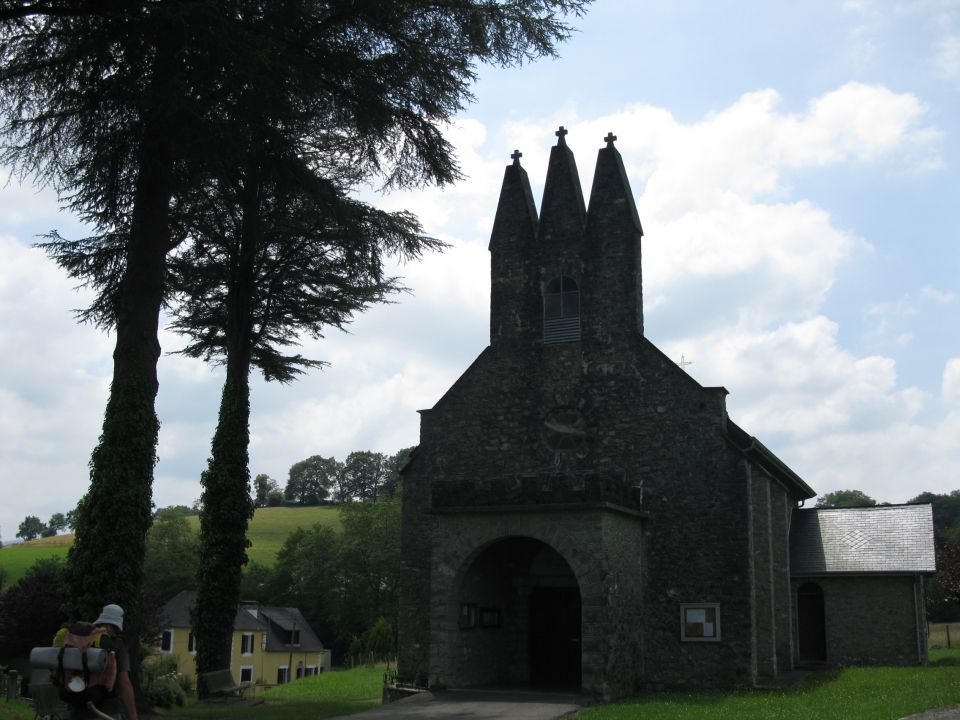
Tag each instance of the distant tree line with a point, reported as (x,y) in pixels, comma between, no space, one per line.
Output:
(345,582)
(33,527)
(317,480)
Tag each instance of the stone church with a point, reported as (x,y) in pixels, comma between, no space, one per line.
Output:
(580,513)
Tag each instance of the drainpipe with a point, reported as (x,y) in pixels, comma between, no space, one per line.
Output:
(916,619)
(748,476)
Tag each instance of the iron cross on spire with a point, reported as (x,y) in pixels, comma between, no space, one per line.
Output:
(610,138)
(516,157)
(561,133)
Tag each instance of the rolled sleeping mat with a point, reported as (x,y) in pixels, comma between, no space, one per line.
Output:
(49,658)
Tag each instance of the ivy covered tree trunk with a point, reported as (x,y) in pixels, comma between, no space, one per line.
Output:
(226,510)
(226,503)
(105,562)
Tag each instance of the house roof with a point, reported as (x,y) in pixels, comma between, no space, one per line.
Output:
(177,612)
(279,621)
(276,621)
(889,539)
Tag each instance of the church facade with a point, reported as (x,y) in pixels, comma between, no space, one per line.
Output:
(580,512)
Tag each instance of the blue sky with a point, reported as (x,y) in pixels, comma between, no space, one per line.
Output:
(796,171)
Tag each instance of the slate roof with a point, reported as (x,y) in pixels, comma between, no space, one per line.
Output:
(176,612)
(275,620)
(279,621)
(894,539)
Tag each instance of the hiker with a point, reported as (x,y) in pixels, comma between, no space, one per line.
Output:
(121,700)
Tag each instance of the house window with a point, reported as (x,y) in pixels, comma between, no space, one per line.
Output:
(192,643)
(700,622)
(246,673)
(294,637)
(310,670)
(561,311)
(282,674)
(246,644)
(166,641)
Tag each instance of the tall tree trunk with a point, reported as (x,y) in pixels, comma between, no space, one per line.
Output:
(223,524)
(227,506)
(105,562)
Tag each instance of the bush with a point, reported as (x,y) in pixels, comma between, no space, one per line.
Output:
(166,692)
(163,686)
(30,610)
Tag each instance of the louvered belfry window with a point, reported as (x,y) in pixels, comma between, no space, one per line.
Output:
(561,311)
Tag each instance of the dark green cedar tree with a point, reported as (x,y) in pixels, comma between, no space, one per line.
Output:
(95,99)
(119,106)
(293,257)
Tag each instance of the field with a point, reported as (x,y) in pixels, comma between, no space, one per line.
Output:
(268,529)
(271,526)
(15,559)
(944,635)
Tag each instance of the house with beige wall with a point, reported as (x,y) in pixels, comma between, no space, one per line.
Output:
(271,645)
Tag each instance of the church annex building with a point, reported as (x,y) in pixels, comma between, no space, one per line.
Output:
(582,514)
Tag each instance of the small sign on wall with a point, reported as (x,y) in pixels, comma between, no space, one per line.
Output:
(700,622)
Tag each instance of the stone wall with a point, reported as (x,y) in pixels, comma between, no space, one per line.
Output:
(872,620)
(653,443)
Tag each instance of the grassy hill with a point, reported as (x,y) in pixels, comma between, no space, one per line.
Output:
(270,527)
(267,531)
(15,559)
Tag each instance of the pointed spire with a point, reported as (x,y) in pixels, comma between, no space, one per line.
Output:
(514,298)
(611,188)
(562,212)
(613,233)
(516,212)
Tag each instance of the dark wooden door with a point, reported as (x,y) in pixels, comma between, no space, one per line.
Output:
(811,624)
(555,637)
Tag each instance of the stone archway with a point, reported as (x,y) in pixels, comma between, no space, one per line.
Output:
(519,617)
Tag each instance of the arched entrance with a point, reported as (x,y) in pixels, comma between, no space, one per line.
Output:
(811,624)
(519,617)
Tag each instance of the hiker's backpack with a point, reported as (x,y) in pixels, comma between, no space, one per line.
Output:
(88,682)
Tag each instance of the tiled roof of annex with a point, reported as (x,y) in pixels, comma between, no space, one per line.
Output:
(889,539)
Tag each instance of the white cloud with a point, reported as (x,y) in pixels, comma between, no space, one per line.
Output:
(947,57)
(736,272)
(53,385)
(950,388)
(942,297)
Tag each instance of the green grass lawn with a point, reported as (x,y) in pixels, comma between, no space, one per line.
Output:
(267,531)
(15,710)
(339,692)
(883,693)
(849,694)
